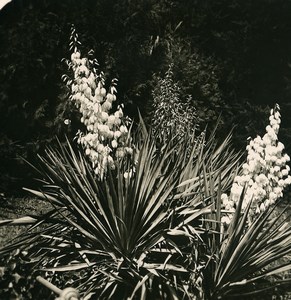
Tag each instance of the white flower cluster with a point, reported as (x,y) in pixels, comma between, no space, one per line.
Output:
(265,174)
(106,139)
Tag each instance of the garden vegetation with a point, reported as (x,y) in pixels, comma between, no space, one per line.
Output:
(167,211)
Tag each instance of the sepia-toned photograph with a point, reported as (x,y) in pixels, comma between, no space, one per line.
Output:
(145,150)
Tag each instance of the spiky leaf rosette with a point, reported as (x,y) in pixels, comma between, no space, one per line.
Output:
(118,233)
(134,236)
(249,260)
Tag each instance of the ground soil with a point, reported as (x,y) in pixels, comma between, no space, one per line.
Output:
(11,208)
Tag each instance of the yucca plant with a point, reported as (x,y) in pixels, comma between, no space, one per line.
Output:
(119,230)
(135,236)
(248,255)
(247,260)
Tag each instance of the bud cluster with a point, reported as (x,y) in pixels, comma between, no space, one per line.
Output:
(172,114)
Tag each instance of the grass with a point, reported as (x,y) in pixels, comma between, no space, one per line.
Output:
(11,208)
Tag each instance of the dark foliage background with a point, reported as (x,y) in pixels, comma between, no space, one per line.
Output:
(232,57)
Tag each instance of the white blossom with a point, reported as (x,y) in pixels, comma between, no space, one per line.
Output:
(265,173)
(106,134)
